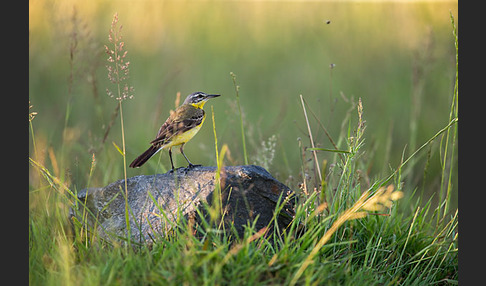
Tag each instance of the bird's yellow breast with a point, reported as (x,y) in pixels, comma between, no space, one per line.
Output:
(183,137)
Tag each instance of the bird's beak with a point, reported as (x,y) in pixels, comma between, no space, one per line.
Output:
(212,95)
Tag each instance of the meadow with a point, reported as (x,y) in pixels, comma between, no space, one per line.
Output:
(371,87)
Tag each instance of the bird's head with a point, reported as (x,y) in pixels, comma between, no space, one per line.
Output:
(198,99)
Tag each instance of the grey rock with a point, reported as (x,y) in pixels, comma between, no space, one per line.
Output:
(157,203)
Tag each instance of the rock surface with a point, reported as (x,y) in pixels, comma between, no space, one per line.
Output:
(157,202)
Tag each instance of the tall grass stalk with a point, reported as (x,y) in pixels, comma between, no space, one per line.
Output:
(422,60)
(237,89)
(215,210)
(32,115)
(127,217)
(448,156)
(73,51)
(314,153)
(215,136)
(118,72)
(349,166)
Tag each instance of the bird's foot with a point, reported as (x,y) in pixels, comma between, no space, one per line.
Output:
(190,166)
(171,171)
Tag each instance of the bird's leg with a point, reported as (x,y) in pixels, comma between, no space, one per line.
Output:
(171,163)
(190,164)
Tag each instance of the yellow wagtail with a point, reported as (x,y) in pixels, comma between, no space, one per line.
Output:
(178,129)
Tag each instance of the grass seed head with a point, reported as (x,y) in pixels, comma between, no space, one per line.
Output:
(383,198)
(32,114)
(118,65)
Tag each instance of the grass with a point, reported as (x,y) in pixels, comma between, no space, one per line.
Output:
(349,228)
(320,246)
(118,72)
(237,91)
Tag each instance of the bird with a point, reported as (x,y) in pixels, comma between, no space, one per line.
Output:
(178,129)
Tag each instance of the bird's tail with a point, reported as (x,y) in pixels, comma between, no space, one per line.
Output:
(140,160)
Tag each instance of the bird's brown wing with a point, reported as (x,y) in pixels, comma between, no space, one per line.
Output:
(183,119)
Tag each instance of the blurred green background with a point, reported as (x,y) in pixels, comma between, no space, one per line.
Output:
(398,57)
